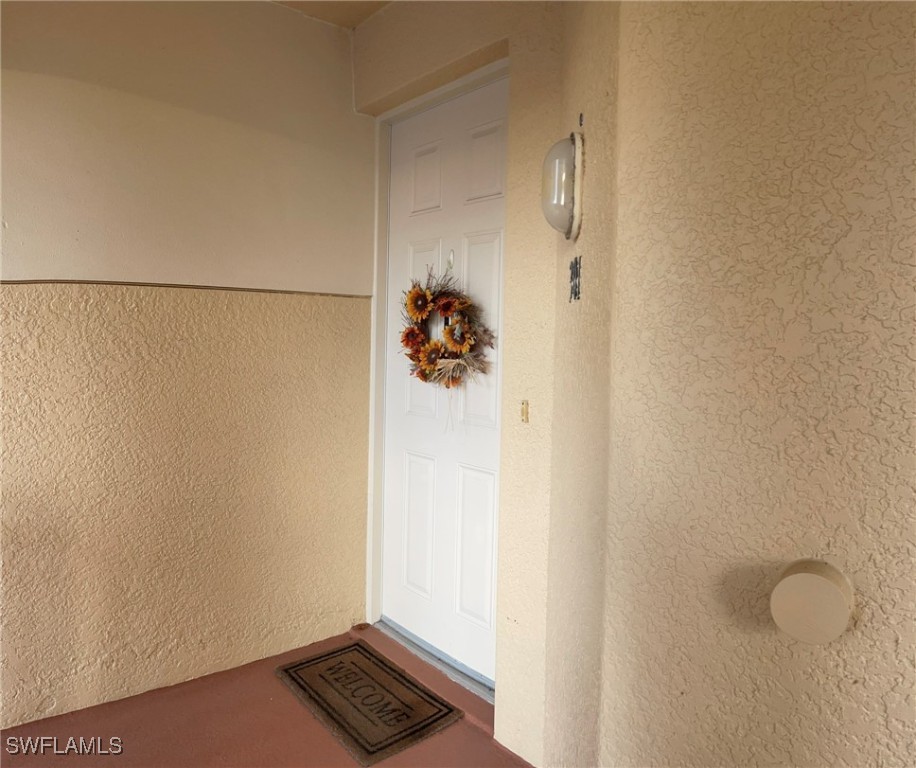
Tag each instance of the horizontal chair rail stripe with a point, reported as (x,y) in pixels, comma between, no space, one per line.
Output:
(186,285)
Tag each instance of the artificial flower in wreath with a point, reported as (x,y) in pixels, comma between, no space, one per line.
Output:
(461,353)
(419,303)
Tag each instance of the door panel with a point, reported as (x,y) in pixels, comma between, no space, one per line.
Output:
(447,212)
(481,273)
(476,517)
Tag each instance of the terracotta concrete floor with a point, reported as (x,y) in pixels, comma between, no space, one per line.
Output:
(246,717)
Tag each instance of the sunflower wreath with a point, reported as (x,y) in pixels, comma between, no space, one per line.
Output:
(461,353)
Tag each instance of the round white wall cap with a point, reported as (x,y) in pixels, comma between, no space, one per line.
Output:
(812,602)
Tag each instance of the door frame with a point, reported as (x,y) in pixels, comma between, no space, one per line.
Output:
(375,501)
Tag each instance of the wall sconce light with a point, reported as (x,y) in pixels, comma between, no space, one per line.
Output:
(561,186)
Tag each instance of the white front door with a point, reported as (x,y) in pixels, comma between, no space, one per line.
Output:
(447,212)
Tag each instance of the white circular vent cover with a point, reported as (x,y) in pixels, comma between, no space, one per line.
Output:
(812,601)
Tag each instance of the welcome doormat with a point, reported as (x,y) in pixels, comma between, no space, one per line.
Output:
(374,708)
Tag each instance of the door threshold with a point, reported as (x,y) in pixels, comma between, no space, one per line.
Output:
(454,670)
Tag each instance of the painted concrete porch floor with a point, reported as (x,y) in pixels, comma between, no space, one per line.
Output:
(247,718)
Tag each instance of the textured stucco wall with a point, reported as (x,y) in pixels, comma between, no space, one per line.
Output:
(581,409)
(444,38)
(184,484)
(201,143)
(763,382)
(183,471)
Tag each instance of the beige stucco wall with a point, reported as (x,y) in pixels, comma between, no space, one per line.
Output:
(201,143)
(763,382)
(183,470)
(579,478)
(184,483)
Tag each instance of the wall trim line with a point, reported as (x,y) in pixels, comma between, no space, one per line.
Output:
(187,286)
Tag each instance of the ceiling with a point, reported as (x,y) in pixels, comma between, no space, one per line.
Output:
(343,13)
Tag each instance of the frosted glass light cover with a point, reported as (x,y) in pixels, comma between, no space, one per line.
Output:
(560,186)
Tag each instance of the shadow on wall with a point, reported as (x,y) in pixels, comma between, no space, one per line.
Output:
(744,592)
(212,58)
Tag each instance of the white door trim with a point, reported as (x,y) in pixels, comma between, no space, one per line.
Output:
(481,77)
